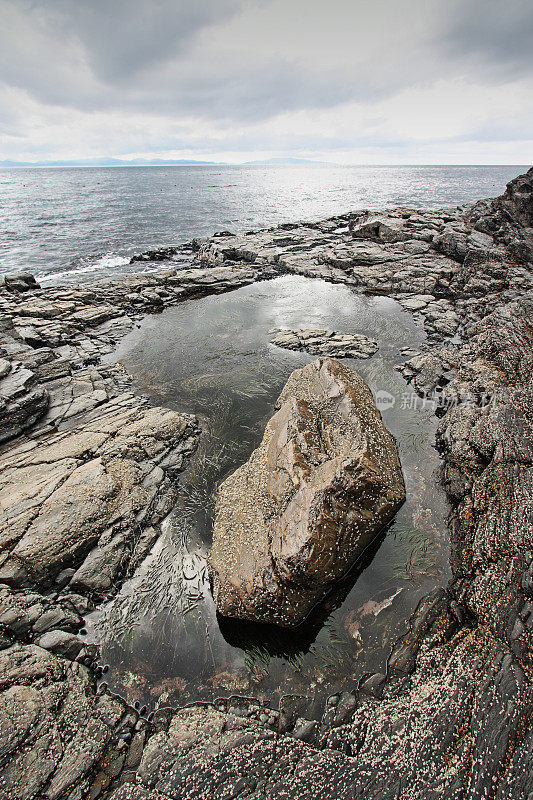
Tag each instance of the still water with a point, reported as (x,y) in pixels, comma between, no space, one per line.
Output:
(160,635)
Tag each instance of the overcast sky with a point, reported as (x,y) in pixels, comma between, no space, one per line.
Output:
(350,81)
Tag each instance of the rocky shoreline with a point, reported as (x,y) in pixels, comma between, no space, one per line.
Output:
(89,471)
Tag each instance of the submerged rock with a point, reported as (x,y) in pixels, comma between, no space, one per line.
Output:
(294,519)
(320,342)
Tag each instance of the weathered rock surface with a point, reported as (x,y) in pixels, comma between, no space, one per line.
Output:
(57,737)
(324,481)
(509,219)
(22,400)
(86,485)
(320,342)
(453,716)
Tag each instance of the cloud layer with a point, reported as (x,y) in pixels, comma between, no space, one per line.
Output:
(388,81)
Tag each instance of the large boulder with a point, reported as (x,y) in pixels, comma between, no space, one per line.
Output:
(322,484)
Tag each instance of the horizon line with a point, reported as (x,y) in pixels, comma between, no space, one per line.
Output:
(295,163)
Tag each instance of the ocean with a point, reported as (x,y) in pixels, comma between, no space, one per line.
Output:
(72,225)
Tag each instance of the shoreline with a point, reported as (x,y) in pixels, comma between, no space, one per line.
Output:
(468,649)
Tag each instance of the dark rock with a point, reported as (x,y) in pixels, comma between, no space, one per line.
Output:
(306,730)
(509,218)
(162,254)
(21,282)
(373,685)
(22,400)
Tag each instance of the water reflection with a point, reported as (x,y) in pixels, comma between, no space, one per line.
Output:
(161,635)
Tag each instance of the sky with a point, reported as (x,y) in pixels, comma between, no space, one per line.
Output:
(347,81)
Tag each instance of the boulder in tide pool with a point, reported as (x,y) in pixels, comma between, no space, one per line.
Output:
(294,518)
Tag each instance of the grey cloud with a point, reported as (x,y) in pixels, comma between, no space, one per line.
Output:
(497,34)
(123,37)
(89,54)
(229,92)
(182,58)
(139,54)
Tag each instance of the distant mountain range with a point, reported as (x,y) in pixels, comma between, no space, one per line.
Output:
(155,162)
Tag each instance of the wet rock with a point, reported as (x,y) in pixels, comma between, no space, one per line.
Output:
(292,520)
(373,685)
(21,282)
(324,343)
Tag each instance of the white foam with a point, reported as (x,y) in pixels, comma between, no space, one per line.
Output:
(108,261)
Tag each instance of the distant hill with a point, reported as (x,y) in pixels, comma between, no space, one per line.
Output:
(155,162)
(110,162)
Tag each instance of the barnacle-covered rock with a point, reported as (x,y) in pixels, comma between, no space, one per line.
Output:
(324,481)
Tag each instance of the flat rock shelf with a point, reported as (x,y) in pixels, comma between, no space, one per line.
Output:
(325,343)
